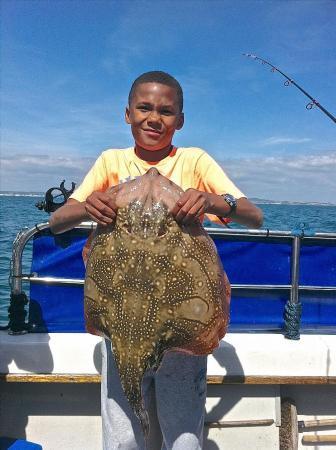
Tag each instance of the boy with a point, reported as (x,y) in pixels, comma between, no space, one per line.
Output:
(155,112)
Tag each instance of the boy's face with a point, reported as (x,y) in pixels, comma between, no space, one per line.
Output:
(154,115)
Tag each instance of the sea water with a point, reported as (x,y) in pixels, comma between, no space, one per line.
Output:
(18,212)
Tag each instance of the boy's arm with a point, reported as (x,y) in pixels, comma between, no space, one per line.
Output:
(67,216)
(211,180)
(99,207)
(246,212)
(194,203)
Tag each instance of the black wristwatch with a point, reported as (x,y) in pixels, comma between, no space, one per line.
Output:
(231,201)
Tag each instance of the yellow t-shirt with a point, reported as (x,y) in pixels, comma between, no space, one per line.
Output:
(187,167)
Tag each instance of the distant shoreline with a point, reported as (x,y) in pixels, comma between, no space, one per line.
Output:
(258,201)
(262,201)
(21,194)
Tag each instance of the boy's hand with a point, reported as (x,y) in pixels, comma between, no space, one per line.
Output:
(101,206)
(191,205)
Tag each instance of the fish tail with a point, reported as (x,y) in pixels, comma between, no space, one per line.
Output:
(144,420)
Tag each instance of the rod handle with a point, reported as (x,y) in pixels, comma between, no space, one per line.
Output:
(238,423)
(314,438)
(317,423)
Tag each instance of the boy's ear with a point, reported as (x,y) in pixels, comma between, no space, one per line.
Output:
(127,113)
(180,121)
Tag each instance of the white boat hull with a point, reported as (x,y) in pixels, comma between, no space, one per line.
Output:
(61,408)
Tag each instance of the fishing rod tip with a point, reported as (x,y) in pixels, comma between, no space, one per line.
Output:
(250,55)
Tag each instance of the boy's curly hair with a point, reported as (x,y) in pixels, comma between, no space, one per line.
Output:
(157,76)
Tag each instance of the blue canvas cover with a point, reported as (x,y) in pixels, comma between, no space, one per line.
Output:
(7,443)
(57,308)
(246,260)
(318,268)
(250,260)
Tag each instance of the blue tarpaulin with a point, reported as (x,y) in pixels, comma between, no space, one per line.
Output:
(7,443)
(246,260)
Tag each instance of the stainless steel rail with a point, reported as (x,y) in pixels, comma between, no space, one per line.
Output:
(23,237)
(264,287)
(18,247)
(266,233)
(16,276)
(295,267)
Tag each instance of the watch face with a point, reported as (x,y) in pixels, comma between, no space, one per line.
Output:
(230,199)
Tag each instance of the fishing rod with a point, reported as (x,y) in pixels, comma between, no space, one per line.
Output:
(290,81)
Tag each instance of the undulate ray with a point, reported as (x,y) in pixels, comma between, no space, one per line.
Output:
(152,286)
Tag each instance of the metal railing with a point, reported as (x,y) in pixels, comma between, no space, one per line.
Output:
(292,313)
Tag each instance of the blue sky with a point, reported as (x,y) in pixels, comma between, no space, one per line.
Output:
(67,67)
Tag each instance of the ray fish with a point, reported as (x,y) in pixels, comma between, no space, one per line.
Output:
(152,285)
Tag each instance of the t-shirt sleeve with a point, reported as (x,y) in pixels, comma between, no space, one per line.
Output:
(212,178)
(95,180)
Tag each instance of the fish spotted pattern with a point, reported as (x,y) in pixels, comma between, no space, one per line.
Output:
(152,286)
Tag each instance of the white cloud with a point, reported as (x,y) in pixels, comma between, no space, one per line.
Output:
(40,172)
(299,178)
(276,140)
(43,163)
